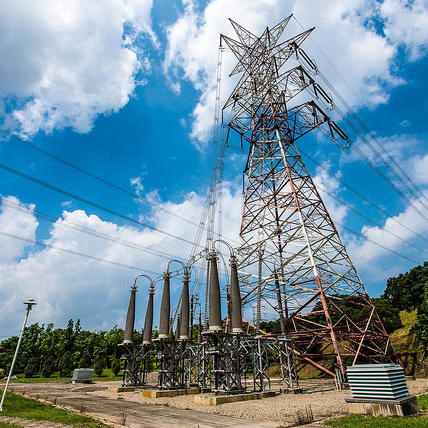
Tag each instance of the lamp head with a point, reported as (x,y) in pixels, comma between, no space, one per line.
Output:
(30,303)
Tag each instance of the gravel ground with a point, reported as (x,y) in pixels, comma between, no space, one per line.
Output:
(319,397)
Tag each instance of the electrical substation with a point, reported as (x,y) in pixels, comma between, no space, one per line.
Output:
(290,257)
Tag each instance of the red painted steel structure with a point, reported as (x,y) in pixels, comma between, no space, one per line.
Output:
(287,233)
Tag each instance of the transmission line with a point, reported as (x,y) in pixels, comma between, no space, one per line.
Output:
(83,229)
(352,189)
(385,162)
(95,177)
(76,253)
(93,204)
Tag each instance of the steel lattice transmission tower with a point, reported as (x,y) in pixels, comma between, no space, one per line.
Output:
(291,256)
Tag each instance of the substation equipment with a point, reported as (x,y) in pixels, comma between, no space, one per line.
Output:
(290,257)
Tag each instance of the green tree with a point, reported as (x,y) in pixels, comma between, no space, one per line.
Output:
(48,367)
(115,366)
(421,326)
(406,290)
(388,313)
(65,364)
(32,367)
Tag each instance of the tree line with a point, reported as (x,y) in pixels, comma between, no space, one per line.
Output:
(46,350)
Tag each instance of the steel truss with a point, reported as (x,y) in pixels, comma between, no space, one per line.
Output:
(172,367)
(136,359)
(288,236)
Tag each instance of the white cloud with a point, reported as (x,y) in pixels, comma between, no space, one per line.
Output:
(352,47)
(69,286)
(370,252)
(69,61)
(405,24)
(19,222)
(329,187)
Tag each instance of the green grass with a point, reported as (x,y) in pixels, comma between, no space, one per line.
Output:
(26,408)
(5,425)
(423,402)
(359,421)
(106,376)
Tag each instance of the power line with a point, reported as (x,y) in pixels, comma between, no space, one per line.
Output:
(386,162)
(95,205)
(76,253)
(352,189)
(95,177)
(372,221)
(377,243)
(88,231)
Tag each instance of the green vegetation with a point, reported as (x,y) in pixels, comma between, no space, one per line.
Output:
(423,402)
(20,407)
(359,421)
(47,352)
(409,291)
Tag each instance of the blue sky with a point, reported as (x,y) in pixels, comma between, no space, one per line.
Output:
(124,90)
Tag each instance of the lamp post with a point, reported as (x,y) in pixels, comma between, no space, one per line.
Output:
(30,303)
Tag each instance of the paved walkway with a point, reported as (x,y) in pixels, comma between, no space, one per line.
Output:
(131,414)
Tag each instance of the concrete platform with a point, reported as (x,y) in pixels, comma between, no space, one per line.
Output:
(215,400)
(124,389)
(291,390)
(405,406)
(160,393)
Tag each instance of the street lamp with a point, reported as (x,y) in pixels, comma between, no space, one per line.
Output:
(30,303)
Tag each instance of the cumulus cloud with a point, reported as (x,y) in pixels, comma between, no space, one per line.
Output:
(405,231)
(69,61)
(70,286)
(346,42)
(329,187)
(18,222)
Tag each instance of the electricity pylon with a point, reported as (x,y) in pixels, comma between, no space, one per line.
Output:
(291,255)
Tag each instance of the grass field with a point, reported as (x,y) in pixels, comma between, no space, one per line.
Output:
(359,421)
(26,408)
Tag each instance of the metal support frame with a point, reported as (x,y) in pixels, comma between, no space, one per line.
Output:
(227,362)
(172,367)
(136,358)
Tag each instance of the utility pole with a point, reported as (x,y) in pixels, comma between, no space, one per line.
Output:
(30,303)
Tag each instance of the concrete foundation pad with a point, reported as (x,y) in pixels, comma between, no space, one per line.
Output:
(291,391)
(215,400)
(123,389)
(406,406)
(160,393)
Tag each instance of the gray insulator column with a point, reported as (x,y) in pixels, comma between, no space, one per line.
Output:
(165,309)
(215,322)
(184,314)
(148,322)
(235,299)
(177,331)
(130,318)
